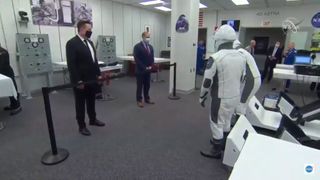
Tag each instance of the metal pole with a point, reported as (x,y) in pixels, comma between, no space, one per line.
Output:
(174,78)
(45,92)
(55,155)
(173,96)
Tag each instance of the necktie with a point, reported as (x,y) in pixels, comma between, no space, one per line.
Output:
(147,48)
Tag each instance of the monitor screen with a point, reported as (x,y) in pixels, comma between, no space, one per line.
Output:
(233,23)
(303,60)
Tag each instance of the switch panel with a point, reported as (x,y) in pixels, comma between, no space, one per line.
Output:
(106,49)
(34,53)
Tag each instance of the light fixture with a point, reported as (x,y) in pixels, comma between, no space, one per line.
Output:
(240,2)
(292,0)
(163,8)
(147,3)
(202,6)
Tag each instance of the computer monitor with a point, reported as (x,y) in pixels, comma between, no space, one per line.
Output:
(302,60)
(233,23)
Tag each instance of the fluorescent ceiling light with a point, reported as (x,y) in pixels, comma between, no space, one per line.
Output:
(202,6)
(292,0)
(240,2)
(162,8)
(147,3)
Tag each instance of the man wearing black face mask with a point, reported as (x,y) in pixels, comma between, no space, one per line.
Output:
(83,66)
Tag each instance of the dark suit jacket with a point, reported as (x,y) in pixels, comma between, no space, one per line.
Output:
(80,63)
(5,67)
(278,54)
(142,58)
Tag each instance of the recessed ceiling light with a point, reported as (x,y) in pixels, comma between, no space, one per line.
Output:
(240,2)
(202,6)
(292,0)
(162,8)
(147,3)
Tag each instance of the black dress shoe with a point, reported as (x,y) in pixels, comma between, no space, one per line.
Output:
(15,111)
(149,102)
(84,131)
(97,123)
(8,108)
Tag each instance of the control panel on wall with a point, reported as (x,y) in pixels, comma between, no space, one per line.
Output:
(106,49)
(34,53)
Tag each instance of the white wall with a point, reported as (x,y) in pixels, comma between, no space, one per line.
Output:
(255,17)
(109,18)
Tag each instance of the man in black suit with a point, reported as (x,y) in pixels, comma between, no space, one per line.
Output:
(274,56)
(83,66)
(6,70)
(144,59)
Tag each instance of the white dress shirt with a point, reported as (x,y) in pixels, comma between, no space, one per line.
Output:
(90,47)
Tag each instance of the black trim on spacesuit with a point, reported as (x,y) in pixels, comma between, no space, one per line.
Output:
(205,94)
(210,63)
(215,100)
(249,85)
(207,83)
(227,45)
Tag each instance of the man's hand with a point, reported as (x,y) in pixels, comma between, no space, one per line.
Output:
(203,101)
(80,85)
(100,79)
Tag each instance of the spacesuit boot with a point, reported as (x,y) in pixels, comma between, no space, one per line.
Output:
(224,140)
(215,151)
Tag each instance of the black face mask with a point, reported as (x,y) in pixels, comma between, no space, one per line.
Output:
(88,34)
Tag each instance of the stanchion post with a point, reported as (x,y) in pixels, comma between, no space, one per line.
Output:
(55,155)
(173,96)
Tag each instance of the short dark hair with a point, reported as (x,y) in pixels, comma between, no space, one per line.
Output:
(82,23)
(144,33)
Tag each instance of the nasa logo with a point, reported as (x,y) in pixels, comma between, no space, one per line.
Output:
(309,169)
(315,21)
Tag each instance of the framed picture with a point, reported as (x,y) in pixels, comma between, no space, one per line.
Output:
(147,28)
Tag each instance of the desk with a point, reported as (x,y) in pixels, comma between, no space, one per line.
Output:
(265,158)
(157,60)
(284,66)
(282,73)
(7,87)
(63,64)
(104,72)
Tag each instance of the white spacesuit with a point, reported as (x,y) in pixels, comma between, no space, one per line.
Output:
(252,81)
(223,77)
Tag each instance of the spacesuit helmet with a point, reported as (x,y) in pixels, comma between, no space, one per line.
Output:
(223,35)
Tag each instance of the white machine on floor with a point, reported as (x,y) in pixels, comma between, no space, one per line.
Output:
(236,139)
(306,116)
(258,116)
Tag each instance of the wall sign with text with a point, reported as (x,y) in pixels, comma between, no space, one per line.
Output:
(268,13)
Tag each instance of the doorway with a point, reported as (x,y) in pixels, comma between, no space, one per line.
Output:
(201,54)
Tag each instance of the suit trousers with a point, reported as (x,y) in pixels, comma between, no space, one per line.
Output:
(85,97)
(14,103)
(143,83)
(269,66)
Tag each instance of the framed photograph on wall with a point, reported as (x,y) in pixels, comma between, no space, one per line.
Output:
(147,28)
